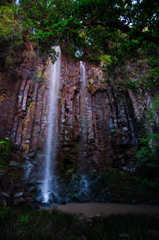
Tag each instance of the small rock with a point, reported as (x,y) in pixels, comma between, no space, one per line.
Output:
(31,155)
(125,169)
(5,194)
(33,189)
(112,131)
(13,164)
(52,198)
(18,195)
(133,169)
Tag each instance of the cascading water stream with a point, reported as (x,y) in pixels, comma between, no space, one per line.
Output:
(50,183)
(83,109)
(84,127)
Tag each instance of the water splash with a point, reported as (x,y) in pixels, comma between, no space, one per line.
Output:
(84,184)
(50,183)
(29,167)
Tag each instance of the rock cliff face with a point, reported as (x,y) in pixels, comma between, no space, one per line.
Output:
(98,123)
(108,119)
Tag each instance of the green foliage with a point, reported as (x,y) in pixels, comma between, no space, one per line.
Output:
(11,34)
(70,170)
(24,219)
(10,30)
(107,61)
(140,72)
(153,77)
(76,25)
(5,2)
(5,211)
(147,182)
(153,111)
(151,53)
(147,151)
(6,146)
(112,185)
(23,222)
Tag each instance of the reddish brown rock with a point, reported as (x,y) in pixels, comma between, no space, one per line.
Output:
(111,117)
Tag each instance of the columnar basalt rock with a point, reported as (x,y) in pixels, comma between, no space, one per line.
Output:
(112,116)
(109,121)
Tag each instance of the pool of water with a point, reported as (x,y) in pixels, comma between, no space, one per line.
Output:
(106,209)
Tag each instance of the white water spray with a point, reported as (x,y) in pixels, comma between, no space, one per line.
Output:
(84,185)
(50,184)
(17,2)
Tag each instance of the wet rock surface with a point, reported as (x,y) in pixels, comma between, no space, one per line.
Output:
(113,120)
(112,123)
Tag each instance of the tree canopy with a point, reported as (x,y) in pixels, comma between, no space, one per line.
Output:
(85,24)
(88,29)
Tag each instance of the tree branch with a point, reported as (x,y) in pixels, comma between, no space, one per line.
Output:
(125,29)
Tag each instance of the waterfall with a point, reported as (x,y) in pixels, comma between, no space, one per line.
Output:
(84,128)
(50,183)
(83,109)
